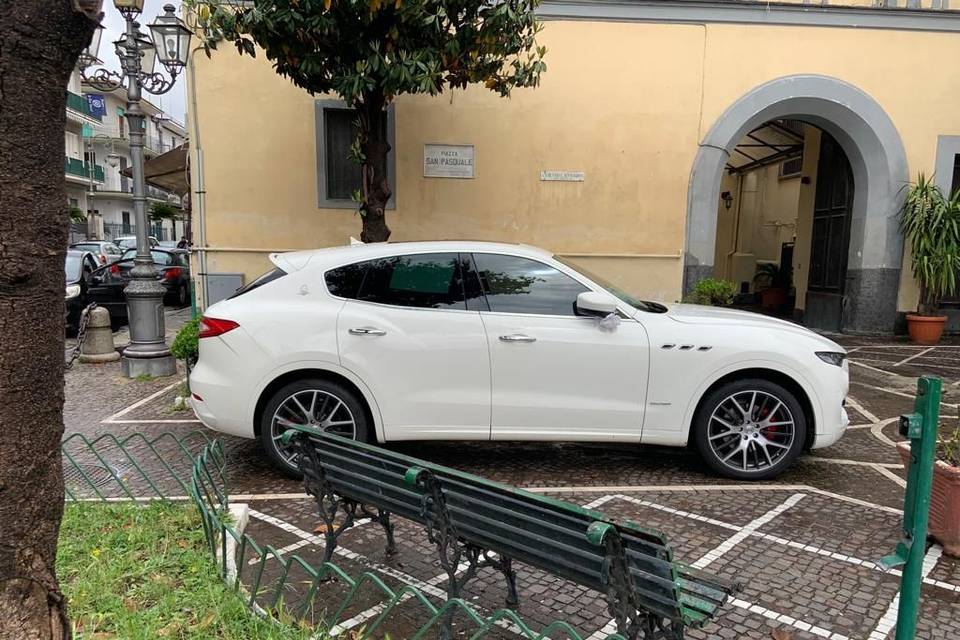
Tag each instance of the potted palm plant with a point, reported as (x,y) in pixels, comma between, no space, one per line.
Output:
(772,281)
(930,222)
(944,523)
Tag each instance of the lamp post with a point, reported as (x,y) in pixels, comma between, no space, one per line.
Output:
(169,42)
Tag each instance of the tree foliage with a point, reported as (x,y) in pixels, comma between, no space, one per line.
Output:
(930,222)
(370,51)
(164,211)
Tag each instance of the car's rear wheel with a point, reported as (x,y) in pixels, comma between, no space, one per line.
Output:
(314,402)
(750,429)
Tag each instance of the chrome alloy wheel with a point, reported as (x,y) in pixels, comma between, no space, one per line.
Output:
(751,430)
(312,408)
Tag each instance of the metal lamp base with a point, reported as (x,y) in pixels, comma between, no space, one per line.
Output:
(155,367)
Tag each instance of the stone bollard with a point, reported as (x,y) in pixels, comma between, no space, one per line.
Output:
(98,343)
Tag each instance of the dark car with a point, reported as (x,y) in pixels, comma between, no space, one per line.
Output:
(78,268)
(173,270)
(104,251)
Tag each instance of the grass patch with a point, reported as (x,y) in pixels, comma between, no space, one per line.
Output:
(132,571)
(144,377)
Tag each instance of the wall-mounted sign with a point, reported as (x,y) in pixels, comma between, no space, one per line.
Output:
(562,176)
(448,161)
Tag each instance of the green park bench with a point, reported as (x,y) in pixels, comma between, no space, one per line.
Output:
(477,523)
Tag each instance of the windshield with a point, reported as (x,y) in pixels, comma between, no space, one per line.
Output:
(71,268)
(643,305)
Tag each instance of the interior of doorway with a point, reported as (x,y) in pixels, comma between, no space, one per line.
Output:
(783,235)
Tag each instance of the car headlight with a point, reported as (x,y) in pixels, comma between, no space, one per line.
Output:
(73,290)
(832,357)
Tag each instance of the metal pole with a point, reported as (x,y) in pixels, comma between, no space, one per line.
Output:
(920,427)
(148,353)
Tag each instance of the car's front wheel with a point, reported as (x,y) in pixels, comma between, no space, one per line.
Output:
(315,402)
(750,429)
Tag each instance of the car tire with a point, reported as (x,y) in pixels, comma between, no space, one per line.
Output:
(182,295)
(285,404)
(750,429)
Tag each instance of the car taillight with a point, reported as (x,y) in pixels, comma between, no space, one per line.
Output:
(114,269)
(172,272)
(103,259)
(212,327)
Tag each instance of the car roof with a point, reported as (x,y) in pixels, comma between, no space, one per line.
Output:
(296,260)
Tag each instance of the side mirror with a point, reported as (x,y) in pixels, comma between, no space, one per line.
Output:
(591,303)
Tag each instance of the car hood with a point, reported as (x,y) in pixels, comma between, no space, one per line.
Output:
(719,316)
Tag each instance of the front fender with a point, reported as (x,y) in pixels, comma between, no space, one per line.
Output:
(792,372)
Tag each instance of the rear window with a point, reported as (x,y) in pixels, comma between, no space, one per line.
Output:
(427,281)
(269,276)
(86,247)
(160,258)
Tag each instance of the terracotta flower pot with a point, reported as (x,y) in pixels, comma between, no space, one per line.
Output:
(944,523)
(773,297)
(925,329)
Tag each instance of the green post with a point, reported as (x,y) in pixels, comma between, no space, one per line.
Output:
(920,427)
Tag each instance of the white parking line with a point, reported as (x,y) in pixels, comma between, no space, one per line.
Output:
(115,418)
(788,620)
(720,550)
(890,475)
(889,618)
(864,412)
(914,356)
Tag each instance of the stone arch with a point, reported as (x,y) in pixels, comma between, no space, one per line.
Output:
(876,153)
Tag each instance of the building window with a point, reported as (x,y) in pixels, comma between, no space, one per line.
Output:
(338,177)
(955,183)
(125,222)
(791,168)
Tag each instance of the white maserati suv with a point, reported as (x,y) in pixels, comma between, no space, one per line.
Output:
(483,341)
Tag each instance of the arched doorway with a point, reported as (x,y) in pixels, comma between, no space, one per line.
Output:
(864,133)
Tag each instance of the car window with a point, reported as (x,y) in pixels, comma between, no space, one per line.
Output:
(268,277)
(520,285)
(429,281)
(72,266)
(86,246)
(161,258)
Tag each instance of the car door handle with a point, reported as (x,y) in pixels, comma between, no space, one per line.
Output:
(367,331)
(517,337)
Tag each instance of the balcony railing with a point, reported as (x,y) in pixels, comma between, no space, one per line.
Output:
(80,105)
(79,168)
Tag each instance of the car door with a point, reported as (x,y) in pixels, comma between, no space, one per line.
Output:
(406,332)
(556,375)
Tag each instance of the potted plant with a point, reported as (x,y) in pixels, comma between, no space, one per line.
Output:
(772,282)
(930,222)
(944,523)
(713,292)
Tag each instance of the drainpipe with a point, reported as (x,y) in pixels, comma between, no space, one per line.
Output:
(199,188)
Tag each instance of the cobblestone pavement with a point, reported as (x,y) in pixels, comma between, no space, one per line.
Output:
(805,546)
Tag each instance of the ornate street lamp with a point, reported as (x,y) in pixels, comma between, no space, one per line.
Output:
(148,352)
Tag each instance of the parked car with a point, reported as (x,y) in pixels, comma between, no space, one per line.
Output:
(130,242)
(484,341)
(104,251)
(108,283)
(78,268)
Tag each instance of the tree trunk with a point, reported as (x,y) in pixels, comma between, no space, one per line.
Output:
(375,182)
(39,44)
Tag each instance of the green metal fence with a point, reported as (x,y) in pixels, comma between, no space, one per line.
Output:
(283,585)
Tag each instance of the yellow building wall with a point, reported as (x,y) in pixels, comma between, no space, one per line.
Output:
(627,103)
